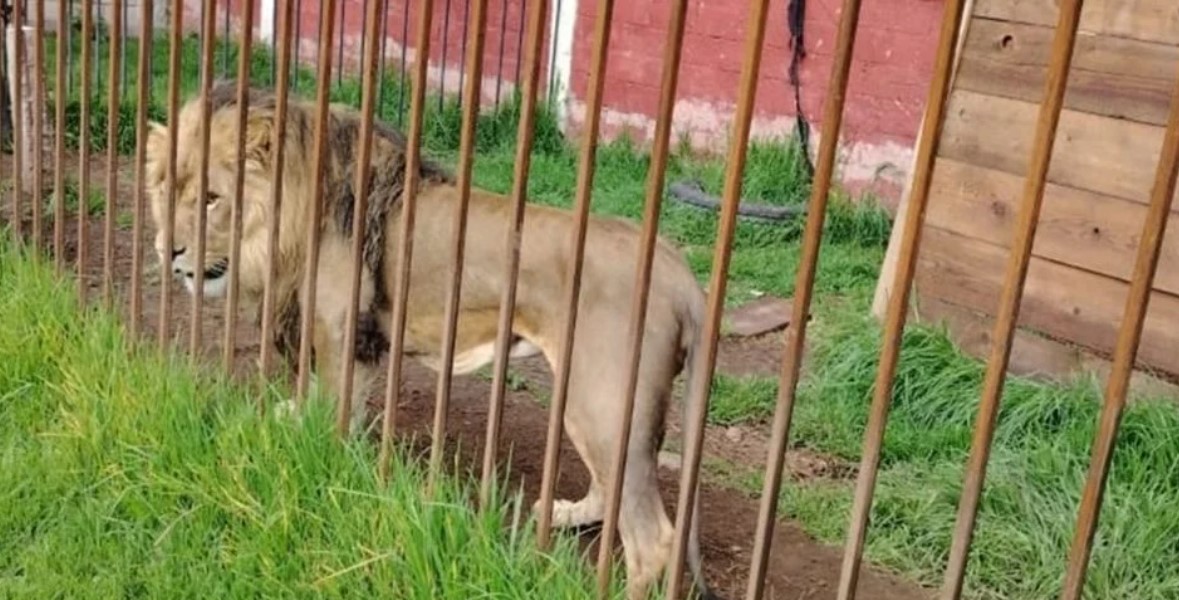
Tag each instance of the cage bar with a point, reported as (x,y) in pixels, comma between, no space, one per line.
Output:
(360,211)
(1007,313)
(84,149)
(245,50)
(115,55)
(660,151)
(525,135)
(38,125)
(208,59)
(467,140)
(1154,229)
(585,181)
(142,97)
(60,92)
(174,47)
(413,157)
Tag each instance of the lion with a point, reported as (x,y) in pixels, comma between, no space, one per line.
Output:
(596,384)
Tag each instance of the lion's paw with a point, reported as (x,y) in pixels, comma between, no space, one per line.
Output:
(567,514)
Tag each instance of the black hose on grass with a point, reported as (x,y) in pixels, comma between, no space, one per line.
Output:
(692,193)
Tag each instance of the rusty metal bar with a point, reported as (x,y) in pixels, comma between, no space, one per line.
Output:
(174,48)
(660,150)
(114,60)
(1007,314)
(277,165)
(315,210)
(470,104)
(701,384)
(413,157)
(84,149)
(1129,335)
(503,38)
(812,240)
(208,59)
(401,73)
(18,122)
(143,96)
(585,181)
(60,94)
(445,47)
(519,197)
(38,124)
(368,102)
(245,52)
(520,44)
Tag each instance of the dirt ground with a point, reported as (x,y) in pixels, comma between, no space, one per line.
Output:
(799,568)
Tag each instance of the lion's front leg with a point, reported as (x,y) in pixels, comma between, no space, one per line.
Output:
(328,342)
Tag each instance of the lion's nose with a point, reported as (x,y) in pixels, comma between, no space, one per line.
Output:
(177,252)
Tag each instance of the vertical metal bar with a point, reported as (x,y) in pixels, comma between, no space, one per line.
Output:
(1129,336)
(553,52)
(700,386)
(413,156)
(298,37)
(672,52)
(470,102)
(174,49)
(315,210)
(143,96)
(445,47)
(360,211)
(38,124)
(84,150)
(463,51)
(520,42)
(98,35)
(225,42)
(114,46)
(519,196)
(1007,314)
(401,91)
(18,123)
(277,165)
(245,49)
(503,37)
(363,39)
(273,42)
(208,38)
(123,58)
(68,25)
(380,109)
(585,179)
(343,31)
(60,97)
(805,281)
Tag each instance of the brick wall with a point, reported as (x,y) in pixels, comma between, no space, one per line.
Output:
(890,72)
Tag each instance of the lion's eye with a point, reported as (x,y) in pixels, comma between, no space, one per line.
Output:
(211,198)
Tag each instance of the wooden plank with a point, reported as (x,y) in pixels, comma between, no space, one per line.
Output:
(1032,355)
(1058,301)
(1109,76)
(1091,231)
(1147,20)
(1115,157)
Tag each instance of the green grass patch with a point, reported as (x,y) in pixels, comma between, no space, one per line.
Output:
(1038,465)
(130,474)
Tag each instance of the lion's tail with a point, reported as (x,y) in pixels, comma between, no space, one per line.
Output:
(694,560)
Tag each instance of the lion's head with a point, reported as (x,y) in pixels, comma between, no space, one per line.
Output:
(217,204)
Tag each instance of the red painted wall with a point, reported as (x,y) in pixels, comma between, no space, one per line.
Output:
(891,69)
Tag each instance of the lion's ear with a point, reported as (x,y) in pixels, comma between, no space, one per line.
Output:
(259,138)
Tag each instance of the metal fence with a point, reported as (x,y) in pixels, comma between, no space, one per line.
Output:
(105,29)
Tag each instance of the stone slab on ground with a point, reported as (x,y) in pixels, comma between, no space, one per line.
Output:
(766,314)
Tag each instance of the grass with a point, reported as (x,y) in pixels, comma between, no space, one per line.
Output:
(1044,430)
(132,474)
(1038,465)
